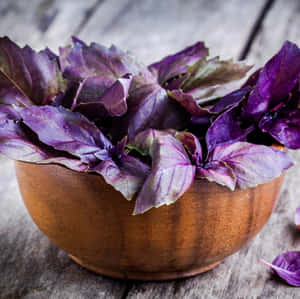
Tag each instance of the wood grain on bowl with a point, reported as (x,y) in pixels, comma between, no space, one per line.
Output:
(91,221)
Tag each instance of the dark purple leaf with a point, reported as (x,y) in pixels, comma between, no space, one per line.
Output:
(120,149)
(252,80)
(78,91)
(188,102)
(232,99)
(112,102)
(150,112)
(50,54)
(192,106)
(94,111)
(227,128)
(67,131)
(100,66)
(252,164)
(286,266)
(16,145)
(8,112)
(283,126)
(178,64)
(149,107)
(202,121)
(276,79)
(9,94)
(27,77)
(219,172)
(172,174)
(127,175)
(192,145)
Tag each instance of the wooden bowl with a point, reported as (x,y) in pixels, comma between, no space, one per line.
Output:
(91,221)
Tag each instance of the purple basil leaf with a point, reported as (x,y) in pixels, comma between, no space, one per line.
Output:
(283,126)
(114,99)
(9,94)
(214,72)
(204,120)
(297,217)
(226,129)
(120,149)
(209,95)
(208,81)
(67,131)
(27,77)
(172,174)
(93,111)
(178,64)
(232,99)
(126,175)
(192,145)
(150,111)
(287,266)
(112,102)
(8,112)
(17,145)
(191,105)
(252,164)
(149,107)
(276,79)
(81,61)
(78,91)
(100,66)
(51,55)
(188,102)
(218,172)
(143,142)
(252,80)
(175,83)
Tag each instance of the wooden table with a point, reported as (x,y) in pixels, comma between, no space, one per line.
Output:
(31,266)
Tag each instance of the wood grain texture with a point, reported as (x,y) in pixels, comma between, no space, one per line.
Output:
(152,29)
(281,24)
(90,220)
(42,23)
(31,267)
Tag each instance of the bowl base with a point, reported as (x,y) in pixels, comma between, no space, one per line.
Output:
(146,276)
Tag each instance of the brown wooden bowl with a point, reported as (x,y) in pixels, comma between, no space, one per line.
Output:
(91,221)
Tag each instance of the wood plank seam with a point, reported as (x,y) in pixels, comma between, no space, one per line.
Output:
(256,28)
(88,15)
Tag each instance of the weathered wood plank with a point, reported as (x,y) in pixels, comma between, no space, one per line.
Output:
(152,29)
(281,24)
(43,23)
